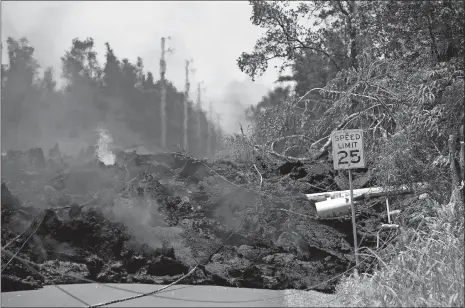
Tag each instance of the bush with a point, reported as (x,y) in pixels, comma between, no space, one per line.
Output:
(408,158)
(424,268)
(237,148)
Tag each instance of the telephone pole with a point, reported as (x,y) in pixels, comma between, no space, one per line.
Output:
(210,130)
(199,99)
(186,106)
(163,92)
(200,138)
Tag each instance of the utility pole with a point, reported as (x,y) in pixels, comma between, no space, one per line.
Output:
(163,91)
(199,117)
(219,131)
(210,130)
(186,105)
(199,99)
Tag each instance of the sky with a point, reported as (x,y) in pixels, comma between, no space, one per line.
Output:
(212,33)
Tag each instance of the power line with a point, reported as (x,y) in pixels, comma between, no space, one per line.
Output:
(14,256)
(27,264)
(18,236)
(160,290)
(29,237)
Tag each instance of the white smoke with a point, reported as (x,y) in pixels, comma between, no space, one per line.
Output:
(104,154)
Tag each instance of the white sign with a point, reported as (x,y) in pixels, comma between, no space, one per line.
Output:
(348,149)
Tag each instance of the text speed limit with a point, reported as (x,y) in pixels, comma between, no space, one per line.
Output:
(348,149)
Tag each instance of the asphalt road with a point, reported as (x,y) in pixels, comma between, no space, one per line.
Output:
(82,295)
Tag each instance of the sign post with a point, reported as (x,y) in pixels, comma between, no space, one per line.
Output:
(348,154)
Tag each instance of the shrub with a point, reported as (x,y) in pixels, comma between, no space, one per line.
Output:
(424,268)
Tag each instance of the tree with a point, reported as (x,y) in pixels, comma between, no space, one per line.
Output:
(112,75)
(315,54)
(272,99)
(18,90)
(392,68)
(438,28)
(79,65)
(47,82)
(149,82)
(83,74)
(120,96)
(311,70)
(140,75)
(288,35)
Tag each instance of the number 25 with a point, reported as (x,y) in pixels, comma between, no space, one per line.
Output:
(353,154)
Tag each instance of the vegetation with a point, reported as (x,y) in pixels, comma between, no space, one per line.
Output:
(423,268)
(394,69)
(119,95)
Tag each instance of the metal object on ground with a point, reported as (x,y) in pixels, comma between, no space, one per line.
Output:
(370,192)
(387,226)
(333,207)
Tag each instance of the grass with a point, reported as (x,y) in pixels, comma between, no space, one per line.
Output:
(425,267)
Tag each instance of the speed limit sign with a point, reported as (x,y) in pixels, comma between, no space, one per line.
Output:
(348,149)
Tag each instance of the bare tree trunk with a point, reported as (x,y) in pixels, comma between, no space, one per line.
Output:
(434,47)
(462,153)
(186,109)
(351,28)
(353,35)
(451,50)
(456,195)
(163,95)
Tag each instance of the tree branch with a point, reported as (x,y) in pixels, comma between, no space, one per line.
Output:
(302,45)
(342,8)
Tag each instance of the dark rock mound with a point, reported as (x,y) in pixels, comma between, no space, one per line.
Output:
(288,166)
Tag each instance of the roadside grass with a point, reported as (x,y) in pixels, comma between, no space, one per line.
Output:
(425,267)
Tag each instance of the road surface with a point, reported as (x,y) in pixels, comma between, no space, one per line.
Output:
(82,295)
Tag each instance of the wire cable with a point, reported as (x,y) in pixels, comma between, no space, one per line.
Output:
(29,264)
(180,279)
(18,236)
(152,293)
(144,294)
(24,243)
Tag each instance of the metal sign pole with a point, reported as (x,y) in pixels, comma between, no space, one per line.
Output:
(354,226)
(348,153)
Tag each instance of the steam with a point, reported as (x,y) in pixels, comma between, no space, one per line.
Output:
(104,154)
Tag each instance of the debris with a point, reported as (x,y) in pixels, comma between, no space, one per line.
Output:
(149,218)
